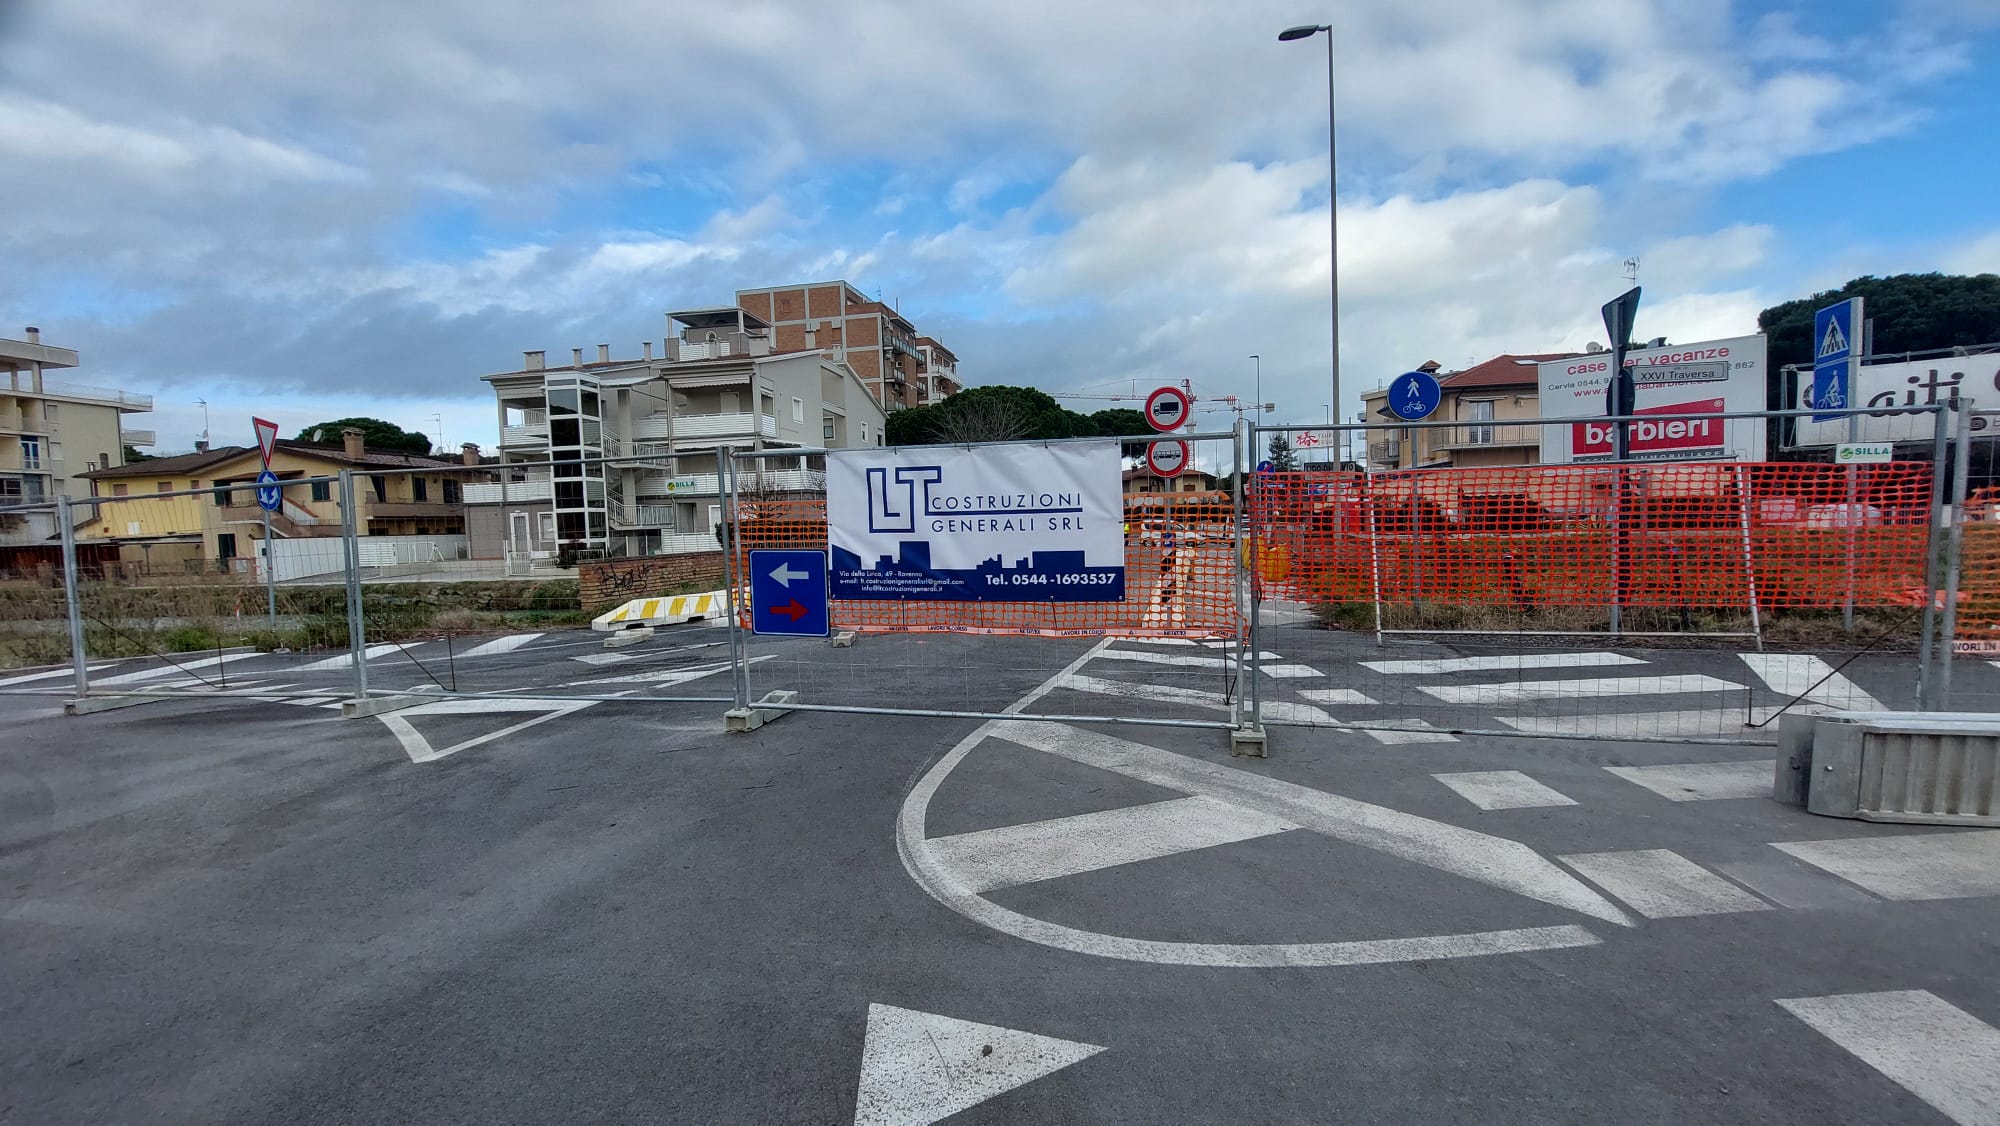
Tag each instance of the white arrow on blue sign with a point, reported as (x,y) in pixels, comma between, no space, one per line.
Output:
(788,593)
(270,495)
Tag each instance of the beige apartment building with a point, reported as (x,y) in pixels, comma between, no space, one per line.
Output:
(52,432)
(900,366)
(1482,403)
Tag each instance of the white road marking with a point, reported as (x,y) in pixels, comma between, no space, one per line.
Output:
(1193,697)
(1662,884)
(1335,696)
(172,670)
(1788,882)
(940,884)
(1502,789)
(1175,641)
(917,1068)
(419,748)
(346,660)
(1433,666)
(1183,660)
(1505,864)
(1596,688)
(1614,725)
(1928,1046)
(500,645)
(1289,672)
(1929,866)
(1413,731)
(1065,846)
(658,677)
(602,658)
(1790,674)
(1701,781)
(50,675)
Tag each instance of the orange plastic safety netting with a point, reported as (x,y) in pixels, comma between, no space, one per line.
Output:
(1564,536)
(1979,583)
(1180,567)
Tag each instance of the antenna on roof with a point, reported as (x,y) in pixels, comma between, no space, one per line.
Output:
(314,436)
(1632,269)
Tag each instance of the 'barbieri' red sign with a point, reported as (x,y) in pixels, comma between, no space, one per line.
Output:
(1664,440)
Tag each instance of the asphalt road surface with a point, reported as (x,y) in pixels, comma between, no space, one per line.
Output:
(249,911)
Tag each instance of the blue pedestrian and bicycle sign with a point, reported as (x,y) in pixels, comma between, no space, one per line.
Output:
(788,593)
(270,495)
(1835,351)
(1413,395)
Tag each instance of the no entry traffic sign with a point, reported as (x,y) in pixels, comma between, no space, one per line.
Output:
(1167,409)
(1168,458)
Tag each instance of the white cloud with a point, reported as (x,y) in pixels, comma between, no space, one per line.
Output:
(1978,254)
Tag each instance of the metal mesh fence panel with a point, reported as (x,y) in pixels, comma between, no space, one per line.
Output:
(1634,601)
(205,592)
(34,622)
(1975,684)
(1166,653)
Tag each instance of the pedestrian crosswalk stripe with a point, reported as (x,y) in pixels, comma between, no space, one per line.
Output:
(1440,665)
(1614,725)
(1701,781)
(1606,687)
(1662,884)
(1911,867)
(1410,731)
(1502,789)
(1800,674)
(500,645)
(1931,1048)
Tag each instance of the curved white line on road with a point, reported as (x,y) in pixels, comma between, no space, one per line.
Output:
(943,885)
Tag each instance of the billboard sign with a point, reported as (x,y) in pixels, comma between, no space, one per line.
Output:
(1008,523)
(1914,383)
(1713,377)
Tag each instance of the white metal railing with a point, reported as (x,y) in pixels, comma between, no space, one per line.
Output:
(652,427)
(740,423)
(137,437)
(524,435)
(105,394)
(509,492)
(724,344)
(678,484)
(681,543)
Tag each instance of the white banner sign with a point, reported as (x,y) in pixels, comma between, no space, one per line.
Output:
(1009,523)
(1717,376)
(1916,383)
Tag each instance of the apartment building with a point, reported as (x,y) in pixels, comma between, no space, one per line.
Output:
(885,350)
(721,380)
(52,432)
(1482,403)
(397,493)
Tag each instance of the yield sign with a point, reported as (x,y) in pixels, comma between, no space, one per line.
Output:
(267,437)
(920,1067)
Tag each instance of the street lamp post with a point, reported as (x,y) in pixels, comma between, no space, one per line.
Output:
(1292,34)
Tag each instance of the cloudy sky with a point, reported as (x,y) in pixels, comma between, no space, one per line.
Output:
(317,209)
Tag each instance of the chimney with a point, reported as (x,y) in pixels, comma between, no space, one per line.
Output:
(649,349)
(34,335)
(576,357)
(469,453)
(350,438)
(532,361)
(604,353)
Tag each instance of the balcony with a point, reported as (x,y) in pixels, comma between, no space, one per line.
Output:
(686,427)
(1385,453)
(511,492)
(630,516)
(724,345)
(683,485)
(1486,436)
(140,438)
(421,510)
(124,400)
(530,436)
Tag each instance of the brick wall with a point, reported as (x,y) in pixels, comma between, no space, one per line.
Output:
(758,303)
(824,302)
(603,585)
(789,305)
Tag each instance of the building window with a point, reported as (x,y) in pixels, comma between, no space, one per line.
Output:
(798,410)
(420,488)
(864,433)
(452,493)
(826,430)
(194,486)
(163,486)
(120,489)
(322,490)
(381,489)
(547,520)
(1480,410)
(225,546)
(49,412)
(31,453)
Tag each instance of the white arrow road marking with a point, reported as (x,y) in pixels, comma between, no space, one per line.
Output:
(917,1068)
(50,675)
(173,669)
(784,574)
(1930,1047)
(1065,846)
(419,748)
(1793,674)
(1488,859)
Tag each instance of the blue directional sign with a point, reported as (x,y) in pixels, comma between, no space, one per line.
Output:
(1836,349)
(788,593)
(270,495)
(1265,466)
(1414,395)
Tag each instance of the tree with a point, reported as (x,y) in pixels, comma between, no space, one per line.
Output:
(1282,460)
(988,414)
(134,455)
(1912,313)
(375,433)
(1120,422)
